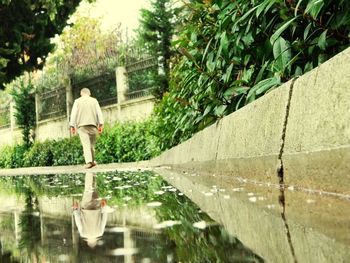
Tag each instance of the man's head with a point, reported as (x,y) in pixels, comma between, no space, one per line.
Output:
(85,92)
(91,242)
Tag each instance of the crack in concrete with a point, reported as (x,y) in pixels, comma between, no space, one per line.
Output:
(217,145)
(280,174)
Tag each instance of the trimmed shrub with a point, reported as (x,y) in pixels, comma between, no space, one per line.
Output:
(6,153)
(67,151)
(40,154)
(127,142)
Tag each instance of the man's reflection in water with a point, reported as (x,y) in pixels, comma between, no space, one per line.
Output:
(91,214)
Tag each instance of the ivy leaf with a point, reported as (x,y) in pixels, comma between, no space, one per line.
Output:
(314,7)
(263,86)
(219,111)
(279,31)
(322,43)
(224,43)
(281,53)
(307,30)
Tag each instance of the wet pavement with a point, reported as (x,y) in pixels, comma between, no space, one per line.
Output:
(278,224)
(135,215)
(129,216)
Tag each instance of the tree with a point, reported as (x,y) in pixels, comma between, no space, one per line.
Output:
(26,29)
(157,27)
(24,98)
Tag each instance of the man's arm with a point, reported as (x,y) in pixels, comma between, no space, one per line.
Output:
(73,117)
(99,117)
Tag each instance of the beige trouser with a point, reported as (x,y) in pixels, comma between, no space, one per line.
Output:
(90,197)
(87,136)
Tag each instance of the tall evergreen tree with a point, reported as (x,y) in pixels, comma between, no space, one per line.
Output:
(157,27)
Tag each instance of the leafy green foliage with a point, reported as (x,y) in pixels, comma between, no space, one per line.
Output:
(24,98)
(233,52)
(126,142)
(83,51)
(40,154)
(26,29)
(67,151)
(157,27)
(132,192)
(6,153)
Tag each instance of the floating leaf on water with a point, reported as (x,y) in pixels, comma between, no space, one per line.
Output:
(270,206)
(237,189)
(208,194)
(200,224)
(122,251)
(310,201)
(116,178)
(168,223)
(250,194)
(227,197)
(252,199)
(64,258)
(117,229)
(154,204)
(127,198)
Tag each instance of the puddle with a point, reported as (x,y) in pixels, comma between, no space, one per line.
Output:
(110,217)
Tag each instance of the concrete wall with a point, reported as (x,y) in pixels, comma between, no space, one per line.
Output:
(298,134)
(136,109)
(317,144)
(246,143)
(58,127)
(52,129)
(9,136)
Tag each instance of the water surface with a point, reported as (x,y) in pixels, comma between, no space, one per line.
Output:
(108,217)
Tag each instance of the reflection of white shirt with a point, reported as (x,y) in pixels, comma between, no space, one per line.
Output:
(86,111)
(91,223)
(91,218)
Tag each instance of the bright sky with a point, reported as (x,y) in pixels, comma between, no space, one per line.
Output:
(113,12)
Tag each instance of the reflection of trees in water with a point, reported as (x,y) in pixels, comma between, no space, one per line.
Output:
(182,242)
(212,244)
(7,256)
(29,224)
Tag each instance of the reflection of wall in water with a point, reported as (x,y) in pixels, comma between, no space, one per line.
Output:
(60,240)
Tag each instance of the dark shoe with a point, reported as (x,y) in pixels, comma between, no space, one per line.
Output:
(89,165)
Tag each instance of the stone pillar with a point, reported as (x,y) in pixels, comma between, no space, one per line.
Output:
(69,100)
(122,83)
(12,121)
(128,245)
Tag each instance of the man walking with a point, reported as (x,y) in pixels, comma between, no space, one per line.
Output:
(87,117)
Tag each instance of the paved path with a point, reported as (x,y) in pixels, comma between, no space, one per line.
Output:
(75,169)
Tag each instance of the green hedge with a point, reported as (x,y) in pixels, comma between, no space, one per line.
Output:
(125,142)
